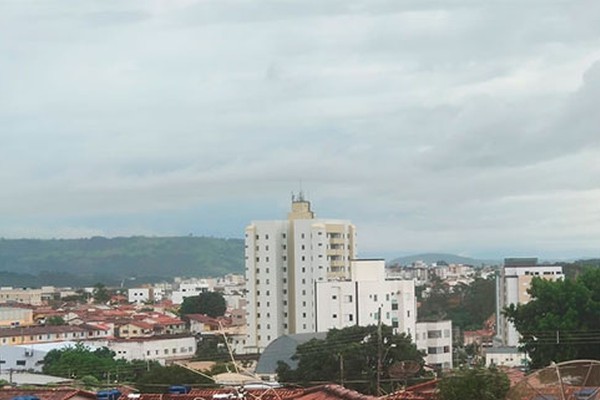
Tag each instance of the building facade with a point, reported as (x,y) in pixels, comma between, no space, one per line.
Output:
(284,261)
(511,288)
(358,301)
(434,338)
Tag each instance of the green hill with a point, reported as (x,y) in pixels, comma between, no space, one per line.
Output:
(32,262)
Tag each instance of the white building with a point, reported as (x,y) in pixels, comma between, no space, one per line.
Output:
(284,260)
(189,289)
(161,349)
(139,295)
(505,357)
(434,338)
(511,288)
(357,301)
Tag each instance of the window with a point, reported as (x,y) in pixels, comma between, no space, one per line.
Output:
(408,313)
(303,247)
(434,334)
(303,258)
(374,297)
(395,306)
(334,316)
(283,235)
(21,362)
(302,236)
(333,297)
(267,237)
(350,317)
(348,298)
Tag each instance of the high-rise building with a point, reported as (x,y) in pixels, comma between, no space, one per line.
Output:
(512,287)
(284,261)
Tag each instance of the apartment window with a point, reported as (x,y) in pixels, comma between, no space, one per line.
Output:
(257,260)
(166,351)
(21,362)
(408,313)
(302,236)
(267,247)
(268,292)
(256,237)
(334,316)
(303,315)
(303,304)
(374,297)
(303,281)
(258,281)
(284,280)
(303,247)
(387,297)
(303,258)
(395,306)
(284,258)
(348,298)
(174,351)
(283,235)
(267,237)
(394,323)
(303,269)
(333,297)
(350,317)
(285,247)
(285,302)
(285,315)
(446,349)
(446,333)
(256,248)
(148,352)
(267,259)
(304,293)
(434,334)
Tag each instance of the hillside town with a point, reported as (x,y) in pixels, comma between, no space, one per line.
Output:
(303,282)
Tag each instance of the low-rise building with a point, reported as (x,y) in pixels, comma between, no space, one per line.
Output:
(15,316)
(140,295)
(164,349)
(505,356)
(434,338)
(22,296)
(45,334)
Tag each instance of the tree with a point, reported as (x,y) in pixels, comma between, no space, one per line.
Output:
(355,350)
(474,383)
(561,321)
(100,293)
(209,303)
(55,320)
(79,361)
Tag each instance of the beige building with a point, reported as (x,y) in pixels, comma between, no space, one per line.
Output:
(284,260)
(22,296)
(13,316)
(512,286)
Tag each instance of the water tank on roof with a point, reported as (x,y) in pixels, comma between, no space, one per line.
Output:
(111,394)
(179,389)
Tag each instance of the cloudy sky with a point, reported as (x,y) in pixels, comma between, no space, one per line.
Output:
(470,127)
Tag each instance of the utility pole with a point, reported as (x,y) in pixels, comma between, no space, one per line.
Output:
(341,369)
(379,352)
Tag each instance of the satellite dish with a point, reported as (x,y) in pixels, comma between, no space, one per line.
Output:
(403,369)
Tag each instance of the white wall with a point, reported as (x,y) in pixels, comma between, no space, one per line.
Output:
(435,339)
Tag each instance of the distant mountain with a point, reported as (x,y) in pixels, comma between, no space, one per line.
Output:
(98,259)
(430,258)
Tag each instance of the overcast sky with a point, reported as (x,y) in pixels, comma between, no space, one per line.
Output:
(470,127)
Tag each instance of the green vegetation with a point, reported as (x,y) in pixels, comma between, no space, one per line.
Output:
(97,368)
(353,348)
(468,306)
(83,262)
(209,303)
(474,383)
(561,321)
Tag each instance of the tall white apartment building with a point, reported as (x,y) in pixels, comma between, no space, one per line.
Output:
(357,301)
(511,288)
(284,261)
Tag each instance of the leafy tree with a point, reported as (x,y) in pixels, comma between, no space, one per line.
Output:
(354,348)
(468,306)
(100,293)
(561,320)
(475,383)
(210,303)
(55,320)
(79,361)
